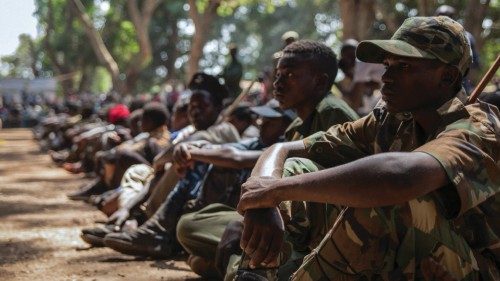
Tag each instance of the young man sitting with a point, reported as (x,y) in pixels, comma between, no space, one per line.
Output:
(414,178)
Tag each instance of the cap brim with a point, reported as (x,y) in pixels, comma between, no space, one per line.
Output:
(375,51)
(266,111)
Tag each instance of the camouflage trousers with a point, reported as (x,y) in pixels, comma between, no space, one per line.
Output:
(386,243)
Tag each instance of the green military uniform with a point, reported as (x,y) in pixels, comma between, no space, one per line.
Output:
(456,225)
(206,226)
(390,242)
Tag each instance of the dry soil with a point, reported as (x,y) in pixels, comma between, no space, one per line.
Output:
(40,227)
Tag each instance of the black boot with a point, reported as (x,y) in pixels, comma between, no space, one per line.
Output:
(150,240)
(95,235)
(95,187)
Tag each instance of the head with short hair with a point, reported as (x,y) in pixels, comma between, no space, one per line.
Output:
(154,115)
(304,75)
(211,85)
(137,103)
(233,49)
(347,60)
(206,100)
(321,57)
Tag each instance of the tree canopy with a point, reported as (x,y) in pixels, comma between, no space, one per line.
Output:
(134,46)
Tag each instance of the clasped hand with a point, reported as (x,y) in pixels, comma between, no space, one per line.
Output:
(257,193)
(263,230)
(182,159)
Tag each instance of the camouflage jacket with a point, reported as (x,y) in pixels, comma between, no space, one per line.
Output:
(329,111)
(448,224)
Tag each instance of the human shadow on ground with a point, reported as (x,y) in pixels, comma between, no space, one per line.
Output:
(20,207)
(104,257)
(18,156)
(12,251)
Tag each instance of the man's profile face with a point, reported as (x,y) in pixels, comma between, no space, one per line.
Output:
(411,84)
(293,82)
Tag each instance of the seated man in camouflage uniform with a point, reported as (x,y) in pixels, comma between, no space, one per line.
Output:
(304,77)
(418,176)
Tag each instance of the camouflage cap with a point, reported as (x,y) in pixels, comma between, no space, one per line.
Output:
(422,37)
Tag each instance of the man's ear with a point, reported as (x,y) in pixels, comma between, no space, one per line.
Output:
(450,75)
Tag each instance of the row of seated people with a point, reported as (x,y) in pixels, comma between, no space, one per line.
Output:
(206,162)
(356,221)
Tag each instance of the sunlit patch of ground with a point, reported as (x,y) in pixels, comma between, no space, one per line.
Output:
(40,227)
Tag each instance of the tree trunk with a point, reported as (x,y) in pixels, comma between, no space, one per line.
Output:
(140,19)
(172,51)
(86,79)
(475,12)
(34,55)
(203,25)
(60,67)
(100,50)
(388,15)
(426,7)
(357,18)
(67,85)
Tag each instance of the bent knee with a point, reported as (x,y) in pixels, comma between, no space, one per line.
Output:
(185,228)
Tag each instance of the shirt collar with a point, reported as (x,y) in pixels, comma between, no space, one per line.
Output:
(449,110)
(305,126)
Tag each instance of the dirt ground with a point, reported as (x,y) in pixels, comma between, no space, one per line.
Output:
(40,227)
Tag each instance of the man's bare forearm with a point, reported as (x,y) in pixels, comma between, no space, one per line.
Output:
(227,157)
(374,181)
(272,160)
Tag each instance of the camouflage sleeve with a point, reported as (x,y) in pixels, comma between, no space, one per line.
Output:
(469,153)
(342,143)
(338,115)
